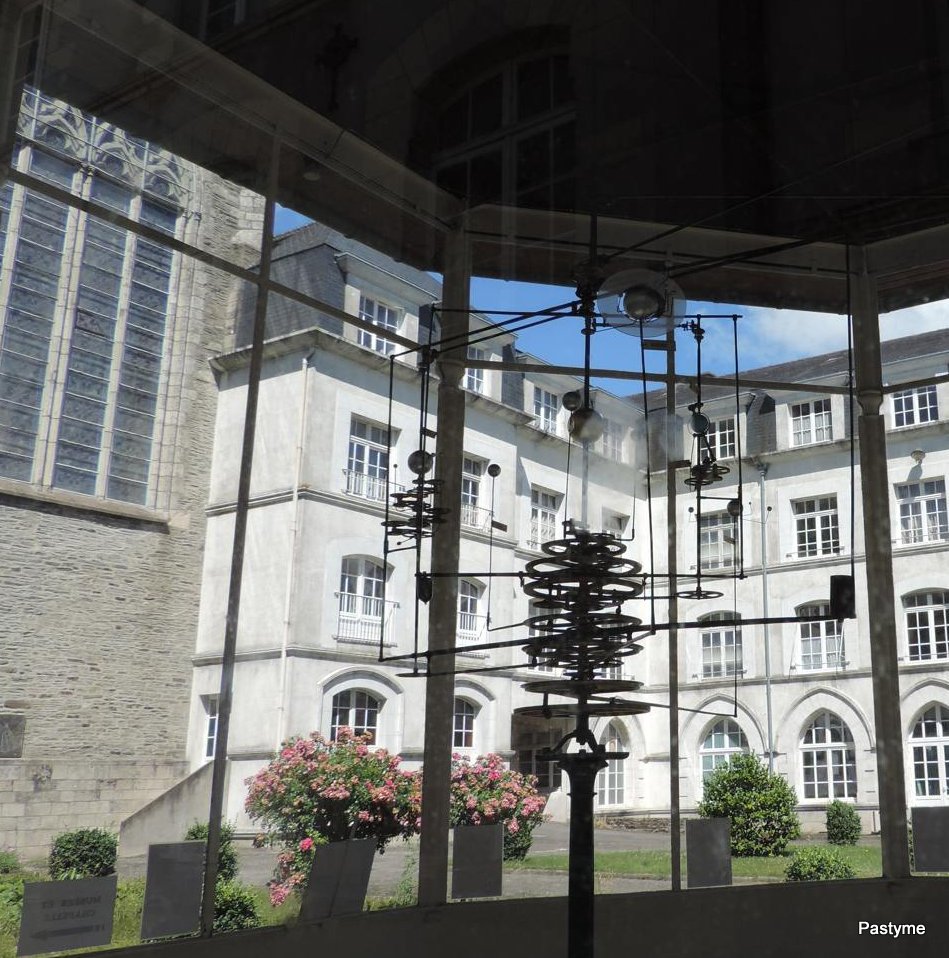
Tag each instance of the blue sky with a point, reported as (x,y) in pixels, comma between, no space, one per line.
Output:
(765,336)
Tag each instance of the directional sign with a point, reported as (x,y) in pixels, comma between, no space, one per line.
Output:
(174,881)
(61,915)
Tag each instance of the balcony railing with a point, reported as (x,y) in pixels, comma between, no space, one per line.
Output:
(474,517)
(471,626)
(362,618)
(365,486)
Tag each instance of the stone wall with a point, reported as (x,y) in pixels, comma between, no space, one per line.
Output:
(41,798)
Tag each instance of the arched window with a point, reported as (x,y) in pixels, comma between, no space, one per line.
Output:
(930,744)
(362,609)
(463,724)
(357,710)
(610,783)
(822,643)
(926,625)
(721,645)
(829,758)
(724,739)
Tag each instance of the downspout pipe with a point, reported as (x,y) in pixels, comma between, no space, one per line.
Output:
(292,561)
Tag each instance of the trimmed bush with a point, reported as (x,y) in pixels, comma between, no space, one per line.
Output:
(227,857)
(843,824)
(818,864)
(234,907)
(84,853)
(486,792)
(760,805)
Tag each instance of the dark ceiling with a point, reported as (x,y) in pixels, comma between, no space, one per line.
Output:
(699,133)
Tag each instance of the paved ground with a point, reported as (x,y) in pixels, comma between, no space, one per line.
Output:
(401,858)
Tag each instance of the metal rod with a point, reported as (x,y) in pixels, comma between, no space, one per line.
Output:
(219,767)
(766,636)
(675,837)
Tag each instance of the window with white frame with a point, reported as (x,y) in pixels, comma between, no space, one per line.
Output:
(546,407)
(84,379)
(472,514)
(380,315)
(474,378)
(718,541)
(828,759)
(470,617)
(722,438)
(532,632)
(367,463)
(210,724)
(926,625)
(816,526)
(532,761)
(912,407)
(721,645)
(363,612)
(723,740)
(810,422)
(612,444)
(356,710)
(611,781)
(822,643)
(544,507)
(463,724)
(929,742)
(923,514)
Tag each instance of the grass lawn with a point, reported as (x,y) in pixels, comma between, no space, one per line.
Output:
(864,859)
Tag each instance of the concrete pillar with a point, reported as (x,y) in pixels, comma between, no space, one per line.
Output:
(875,489)
(443,610)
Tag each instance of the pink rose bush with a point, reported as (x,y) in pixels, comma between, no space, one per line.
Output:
(485,792)
(316,791)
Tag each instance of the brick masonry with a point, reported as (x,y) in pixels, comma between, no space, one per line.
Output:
(100,609)
(43,797)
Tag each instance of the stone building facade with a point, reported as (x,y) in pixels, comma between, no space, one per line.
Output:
(318,594)
(107,407)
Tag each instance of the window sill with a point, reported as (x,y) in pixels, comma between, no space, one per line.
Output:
(81,503)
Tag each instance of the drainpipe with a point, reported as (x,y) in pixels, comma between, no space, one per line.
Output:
(762,468)
(292,563)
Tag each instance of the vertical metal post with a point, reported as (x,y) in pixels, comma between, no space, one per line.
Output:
(675,836)
(581,769)
(219,768)
(762,472)
(879,563)
(443,610)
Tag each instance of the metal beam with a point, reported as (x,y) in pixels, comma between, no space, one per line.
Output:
(879,565)
(443,611)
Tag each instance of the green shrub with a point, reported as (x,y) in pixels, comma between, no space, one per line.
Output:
(818,864)
(760,805)
(84,853)
(843,824)
(227,857)
(234,907)
(9,863)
